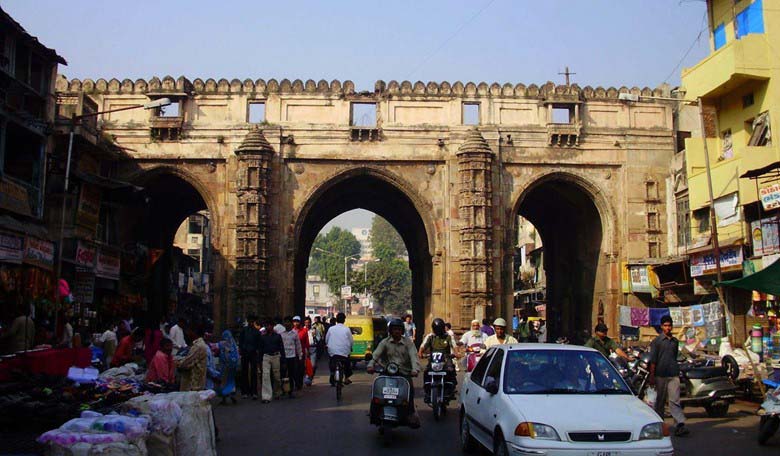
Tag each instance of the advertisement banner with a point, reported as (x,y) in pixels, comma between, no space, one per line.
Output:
(704,263)
(11,248)
(346,292)
(39,253)
(88,212)
(14,197)
(84,287)
(86,254)
(770,196)
(625,277)
(640,282)
(765,237)
(107,265)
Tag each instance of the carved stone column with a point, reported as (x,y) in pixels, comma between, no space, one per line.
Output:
(254,177)
(475,207)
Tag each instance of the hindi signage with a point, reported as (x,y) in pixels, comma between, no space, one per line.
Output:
(107,265)
(86,254)
(14,197)
(770,196)
(84,287)
(39,252)
(765,236)
(346,292)
(11,248)
(88,212)
(704,263)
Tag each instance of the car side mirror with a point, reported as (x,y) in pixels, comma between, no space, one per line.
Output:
(491,385)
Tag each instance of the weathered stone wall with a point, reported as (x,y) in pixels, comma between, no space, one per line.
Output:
(617,152)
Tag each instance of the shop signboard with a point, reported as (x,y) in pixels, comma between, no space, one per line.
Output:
(11,248)
(770,196)
(704,263)
(86,254)
(84,287)
(765,236)
(14,197)
(346,292)
(108,264)
(88,212)
(39,252)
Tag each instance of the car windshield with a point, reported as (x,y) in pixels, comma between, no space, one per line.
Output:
(561,372)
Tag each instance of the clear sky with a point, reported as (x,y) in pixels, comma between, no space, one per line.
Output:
(605,42)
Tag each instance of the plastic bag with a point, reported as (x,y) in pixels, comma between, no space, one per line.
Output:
(650,396)
(309,368)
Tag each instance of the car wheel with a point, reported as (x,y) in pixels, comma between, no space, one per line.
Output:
(467,443)
(499,445)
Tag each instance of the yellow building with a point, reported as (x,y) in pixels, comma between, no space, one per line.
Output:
(739,85)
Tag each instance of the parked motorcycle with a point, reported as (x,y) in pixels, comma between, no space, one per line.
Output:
(390,399)
(439,390)
(769,412)
(710,387)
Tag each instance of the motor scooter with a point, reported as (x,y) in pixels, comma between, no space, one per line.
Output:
(473,354)
(710,387)
(769,412)
(390,400)
(439,389)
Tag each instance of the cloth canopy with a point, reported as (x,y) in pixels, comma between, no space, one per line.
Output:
(766,280)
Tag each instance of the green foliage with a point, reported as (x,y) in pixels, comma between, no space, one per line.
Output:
(390,283)
(330,266)
(385,240)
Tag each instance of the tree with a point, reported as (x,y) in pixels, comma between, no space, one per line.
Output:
(330,266)
(385,240)
(390,283)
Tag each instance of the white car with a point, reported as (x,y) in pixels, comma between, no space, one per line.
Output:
(551,399)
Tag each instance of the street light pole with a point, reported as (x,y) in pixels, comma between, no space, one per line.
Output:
(346,262)
(159,103)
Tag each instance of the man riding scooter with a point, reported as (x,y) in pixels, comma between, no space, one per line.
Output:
(439,342)
(400,351)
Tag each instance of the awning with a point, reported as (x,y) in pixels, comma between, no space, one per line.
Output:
(709,247)
(766,280)
(755,173)
(104,182)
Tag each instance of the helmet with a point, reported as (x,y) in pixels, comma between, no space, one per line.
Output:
(438,326)
(395,322)
(499,322)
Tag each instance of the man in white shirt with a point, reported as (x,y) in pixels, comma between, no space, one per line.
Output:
(339,342)
(177,335)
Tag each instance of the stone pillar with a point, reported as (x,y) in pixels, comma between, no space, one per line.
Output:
(475,209)
(250,281)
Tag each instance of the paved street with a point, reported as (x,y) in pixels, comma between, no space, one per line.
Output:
(314,422)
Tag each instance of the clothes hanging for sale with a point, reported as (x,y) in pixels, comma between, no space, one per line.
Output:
(656,315)
(640,316)
(625,316)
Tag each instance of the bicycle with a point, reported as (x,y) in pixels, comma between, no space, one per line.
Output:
(338,377)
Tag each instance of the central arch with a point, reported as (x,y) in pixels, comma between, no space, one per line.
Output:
(384,194)
(575,225)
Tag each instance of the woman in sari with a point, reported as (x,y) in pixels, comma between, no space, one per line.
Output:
(228,361)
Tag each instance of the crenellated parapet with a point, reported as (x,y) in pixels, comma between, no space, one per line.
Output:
(335,87)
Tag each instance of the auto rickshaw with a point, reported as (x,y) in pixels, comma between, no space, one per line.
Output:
(367,332)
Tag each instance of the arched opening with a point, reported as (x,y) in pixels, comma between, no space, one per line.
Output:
(558,271)
(169,231)
(372,191)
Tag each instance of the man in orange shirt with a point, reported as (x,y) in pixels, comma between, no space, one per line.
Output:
(124,352)
(162,368)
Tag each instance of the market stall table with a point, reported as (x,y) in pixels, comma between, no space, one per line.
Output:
(52,361)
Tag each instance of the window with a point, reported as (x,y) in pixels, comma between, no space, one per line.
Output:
(193,239)
(495,367)
(316,290)
(196,225)
(470,113)
(256,112)
(193,252)
(363,115)
(653,249)
(651,190)
(702,218)
(719,36)
(561,115)
(683,222)
(652,221)
(750,20)
(479,370)
(760,135)
(747,100)
(172,110)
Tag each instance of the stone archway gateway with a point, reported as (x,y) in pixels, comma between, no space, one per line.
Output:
(452,190)
(388,196)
